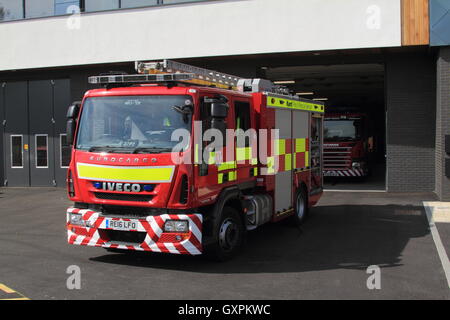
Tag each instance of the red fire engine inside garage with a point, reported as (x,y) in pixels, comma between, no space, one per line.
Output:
(354,155)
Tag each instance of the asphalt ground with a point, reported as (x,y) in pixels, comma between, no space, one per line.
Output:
(327,258)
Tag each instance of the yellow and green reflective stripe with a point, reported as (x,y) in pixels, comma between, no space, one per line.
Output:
(300,145)
(212,158)
(288,162)
(227,166)
(243,154)
(196,157)
(124,173)
(280,147)
(232,176)
(270,165)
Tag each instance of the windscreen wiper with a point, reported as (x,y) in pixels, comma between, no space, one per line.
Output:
(101,148)
(151,150)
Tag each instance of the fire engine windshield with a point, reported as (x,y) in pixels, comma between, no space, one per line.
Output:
(342,130)
(133,124)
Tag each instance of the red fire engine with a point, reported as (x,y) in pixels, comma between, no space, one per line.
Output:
(149,172)
(347,145)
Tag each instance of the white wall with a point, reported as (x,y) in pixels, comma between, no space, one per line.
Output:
(214,28)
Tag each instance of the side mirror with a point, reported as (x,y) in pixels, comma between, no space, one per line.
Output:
(74,110)
(219,110)
(70,130)
(72,115)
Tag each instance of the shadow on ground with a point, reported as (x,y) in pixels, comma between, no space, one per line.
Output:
(347,236)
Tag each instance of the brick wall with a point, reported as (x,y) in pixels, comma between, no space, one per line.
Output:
(442,121)
(411,113)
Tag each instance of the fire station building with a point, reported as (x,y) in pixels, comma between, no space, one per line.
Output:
(389,59)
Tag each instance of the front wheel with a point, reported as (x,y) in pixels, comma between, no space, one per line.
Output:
(230,236)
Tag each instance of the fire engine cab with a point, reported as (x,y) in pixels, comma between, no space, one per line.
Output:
(184,160)
(347,144)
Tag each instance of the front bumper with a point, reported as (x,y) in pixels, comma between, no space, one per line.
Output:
(345,173)
(148,236)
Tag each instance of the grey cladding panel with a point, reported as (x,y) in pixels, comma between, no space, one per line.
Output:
(283,123)
(283,180)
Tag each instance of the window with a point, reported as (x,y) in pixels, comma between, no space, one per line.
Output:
(20,9)
(242,117)
(129,124)
(65,151)
(11,10)
(41,155)
(137,3)
(62,6)
(42,8)
(342,130)
(16,151)
(100,5)
(176,1)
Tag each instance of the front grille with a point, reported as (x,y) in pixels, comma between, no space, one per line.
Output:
(337,157)
(126,236)
(124,197)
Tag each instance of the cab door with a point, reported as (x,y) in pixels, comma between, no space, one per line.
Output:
(245,141)
(211,173)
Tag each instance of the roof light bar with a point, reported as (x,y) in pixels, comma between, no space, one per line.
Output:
(140,78)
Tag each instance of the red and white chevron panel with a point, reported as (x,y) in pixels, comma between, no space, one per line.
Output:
(345,173)
(95,233)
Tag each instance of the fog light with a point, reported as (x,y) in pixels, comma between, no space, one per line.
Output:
(76,219)
(181,226)
(356,165)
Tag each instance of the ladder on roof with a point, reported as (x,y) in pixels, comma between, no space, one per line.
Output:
(208,77)
(172,71)
(199,75)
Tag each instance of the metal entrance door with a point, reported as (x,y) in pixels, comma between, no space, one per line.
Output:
(35,148)
(61,100)
(42,160)
(16,142)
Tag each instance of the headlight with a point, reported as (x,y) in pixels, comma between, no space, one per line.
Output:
(76,219)
(181,226)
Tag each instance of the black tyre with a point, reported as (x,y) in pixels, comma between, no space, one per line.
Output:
(229,238)
(301,207)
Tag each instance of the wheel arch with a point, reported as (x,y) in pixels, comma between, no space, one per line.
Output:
(231,197)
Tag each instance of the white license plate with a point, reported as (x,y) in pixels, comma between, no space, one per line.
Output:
(121,225)
(331,174)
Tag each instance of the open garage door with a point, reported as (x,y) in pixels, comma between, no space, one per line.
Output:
(355,121)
